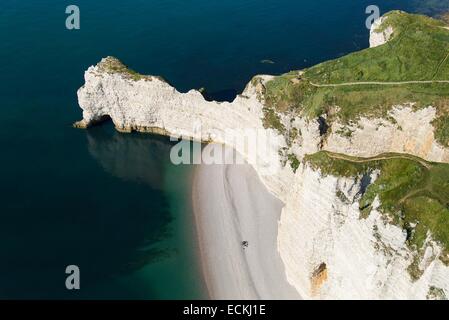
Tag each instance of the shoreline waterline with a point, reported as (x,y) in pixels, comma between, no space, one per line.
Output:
(231,205)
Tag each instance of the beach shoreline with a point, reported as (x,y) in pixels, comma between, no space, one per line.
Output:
(231,205)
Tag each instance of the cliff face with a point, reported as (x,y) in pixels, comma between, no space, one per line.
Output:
(328,251)
(379,36)
(404,131)
(364,258)
(149,104)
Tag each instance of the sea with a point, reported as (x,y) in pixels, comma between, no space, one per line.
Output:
(112,204)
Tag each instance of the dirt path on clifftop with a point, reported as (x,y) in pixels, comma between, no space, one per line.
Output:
(380,157)
(378,83)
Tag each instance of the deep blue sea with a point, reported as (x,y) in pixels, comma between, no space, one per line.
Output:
(112,203)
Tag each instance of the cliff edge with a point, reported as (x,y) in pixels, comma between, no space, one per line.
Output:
(355,147)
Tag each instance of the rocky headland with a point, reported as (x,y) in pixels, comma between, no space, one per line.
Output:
(359,146)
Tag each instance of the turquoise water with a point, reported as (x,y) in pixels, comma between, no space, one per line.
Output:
(111,203)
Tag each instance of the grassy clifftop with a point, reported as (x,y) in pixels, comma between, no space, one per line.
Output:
(413,193)
(417,51)
(112,65)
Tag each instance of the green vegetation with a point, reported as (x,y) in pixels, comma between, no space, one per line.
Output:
(418,46)
(293,134)
(413,193)
(294,162)
(418,51)
(113,65)
(272,120)
(436,294)
(342,196)
(441,125)
(285,95)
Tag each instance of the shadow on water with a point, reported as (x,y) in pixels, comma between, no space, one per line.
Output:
(139,160)
(110,223)
(165,257)
(132,157)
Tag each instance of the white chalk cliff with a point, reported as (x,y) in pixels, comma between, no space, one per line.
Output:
(405,131)
(378,36)
(361,258)
(328,252)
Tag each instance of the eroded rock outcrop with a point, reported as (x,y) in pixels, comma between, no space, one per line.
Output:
(378,35)
(149,104)
(405,130)
(365,258)
(328,251)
